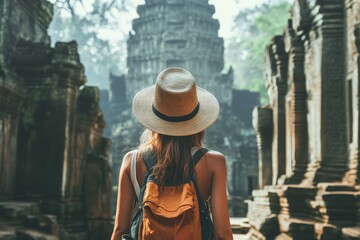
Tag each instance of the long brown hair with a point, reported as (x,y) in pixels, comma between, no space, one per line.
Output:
(173,155)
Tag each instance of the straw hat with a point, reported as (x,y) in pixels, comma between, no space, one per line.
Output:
(175,106)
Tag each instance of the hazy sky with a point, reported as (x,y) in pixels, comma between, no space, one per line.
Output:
(226,10)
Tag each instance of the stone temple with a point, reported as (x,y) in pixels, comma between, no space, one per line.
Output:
(55,178)
(308,135)
(178,33)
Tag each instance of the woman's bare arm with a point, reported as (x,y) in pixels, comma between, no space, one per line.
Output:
(125,200)
(218,200)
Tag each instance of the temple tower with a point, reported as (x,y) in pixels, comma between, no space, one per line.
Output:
(178,33)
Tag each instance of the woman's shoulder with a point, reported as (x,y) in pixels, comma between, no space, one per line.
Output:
(215,157)
(126,162)
(214,153)
(216,163)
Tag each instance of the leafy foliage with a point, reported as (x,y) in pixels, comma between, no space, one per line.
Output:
(253,30)
(96,26)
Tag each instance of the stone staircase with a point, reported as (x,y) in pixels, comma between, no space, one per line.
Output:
(24,221)
(327,211)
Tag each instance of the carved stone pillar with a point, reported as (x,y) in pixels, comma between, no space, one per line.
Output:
(11,96)
(92,153)
(276,75)
(263,124)
(325,74)
(296,111)
(353,64)
(354,163)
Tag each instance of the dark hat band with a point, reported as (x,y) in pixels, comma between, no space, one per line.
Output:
(176,119)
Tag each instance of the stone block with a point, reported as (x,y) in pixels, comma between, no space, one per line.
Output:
(351,233)
(7,235)
(14,211)
(27,234)
(43,223)
(283,236)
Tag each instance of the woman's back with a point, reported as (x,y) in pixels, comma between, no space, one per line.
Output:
(204,170)
(211,177)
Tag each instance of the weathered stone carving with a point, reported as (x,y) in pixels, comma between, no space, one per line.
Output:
(296,110)
(53,157)
(11,96)
(325,51)
(11,88)
(263,124)
(276,84)
(322,127)
(353,60)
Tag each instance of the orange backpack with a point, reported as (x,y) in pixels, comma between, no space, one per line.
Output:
(176,212)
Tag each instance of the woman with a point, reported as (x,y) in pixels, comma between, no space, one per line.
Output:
(175,112)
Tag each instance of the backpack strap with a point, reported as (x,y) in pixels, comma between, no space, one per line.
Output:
(198,155)
(149,160)
(205,218)
(195,159)
(133,174)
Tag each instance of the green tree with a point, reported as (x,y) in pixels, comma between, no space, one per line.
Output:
(96,26)
(253,30)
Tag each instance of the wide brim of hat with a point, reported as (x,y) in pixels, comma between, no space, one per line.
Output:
(206,116)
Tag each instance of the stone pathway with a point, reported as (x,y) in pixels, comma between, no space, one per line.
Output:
(239,237)
(23,220)
(239,226)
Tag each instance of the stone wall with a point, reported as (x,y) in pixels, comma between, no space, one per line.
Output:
(55,177)
(12,90)
(243,103)
(309,131)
